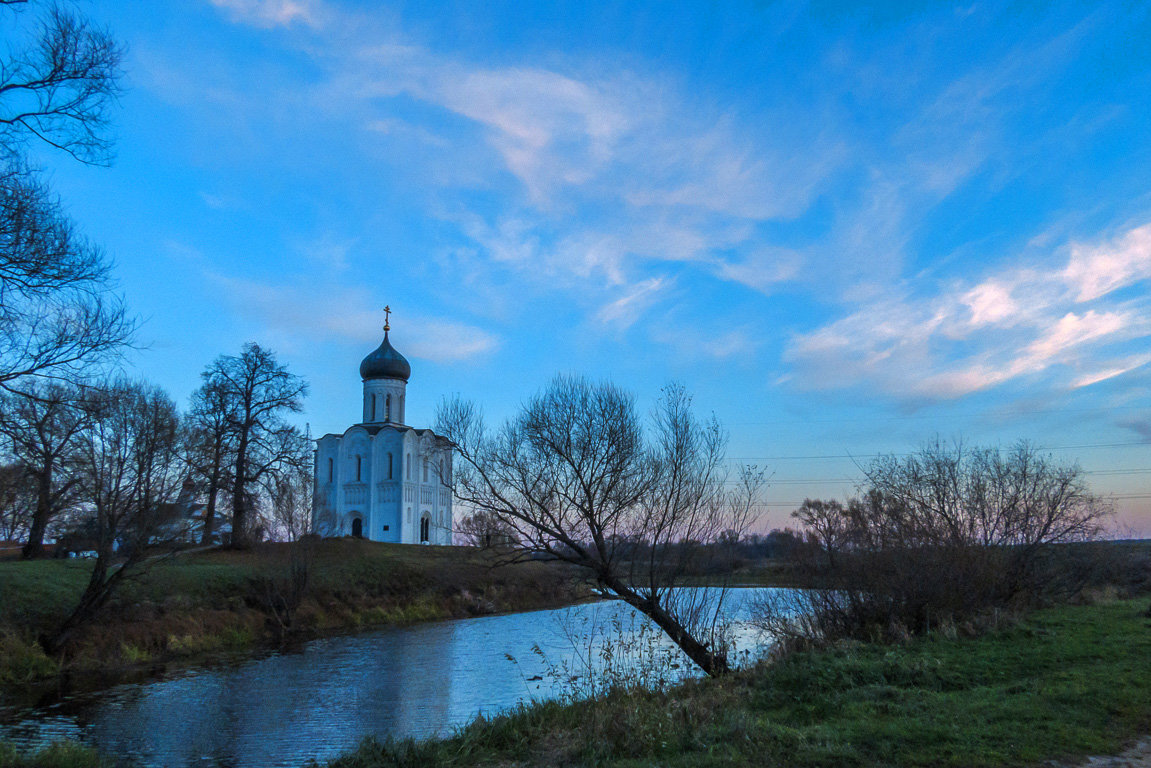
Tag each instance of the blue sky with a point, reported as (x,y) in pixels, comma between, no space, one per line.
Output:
(845,230)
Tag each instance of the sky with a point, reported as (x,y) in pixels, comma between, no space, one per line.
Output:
(846,230)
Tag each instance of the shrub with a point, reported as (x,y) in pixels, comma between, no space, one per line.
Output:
(943,536)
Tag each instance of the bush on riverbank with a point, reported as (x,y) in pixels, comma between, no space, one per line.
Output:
(1067,681)
(219,600)
(947,536)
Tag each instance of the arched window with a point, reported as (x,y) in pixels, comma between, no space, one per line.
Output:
(425,469)
(408,467)
(425,528)
(359,463)
(389,466)
(331,470)
(387,408)
(373,408)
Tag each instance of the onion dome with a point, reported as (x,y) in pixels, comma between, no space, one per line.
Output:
(385,363)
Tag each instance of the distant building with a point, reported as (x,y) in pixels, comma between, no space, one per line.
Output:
(381,479)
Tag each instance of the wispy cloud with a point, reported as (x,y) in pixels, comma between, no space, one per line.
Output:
(272,13)
(614,169)
(312,312)
(624,311)
(966,338)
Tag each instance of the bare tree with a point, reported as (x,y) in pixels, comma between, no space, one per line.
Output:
(576,477)
(44,428)
(827,521)
(60,86)
(57,314)
(484,530)
(17,501)
(290,492)
(132,474)
(209,447)
(257,391)
(58,80)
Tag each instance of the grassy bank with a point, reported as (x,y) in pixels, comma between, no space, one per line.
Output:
(214,601)
(1066,682)
(62,755)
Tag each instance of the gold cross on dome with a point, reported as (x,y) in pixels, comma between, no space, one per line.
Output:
(387,317)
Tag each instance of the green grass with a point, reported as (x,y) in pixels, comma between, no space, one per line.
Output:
(1066,682)
(60,755)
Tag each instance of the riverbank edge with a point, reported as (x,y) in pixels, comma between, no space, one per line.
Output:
(1058,685)
(142,635)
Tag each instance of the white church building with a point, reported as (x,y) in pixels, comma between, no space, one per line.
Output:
(381,479)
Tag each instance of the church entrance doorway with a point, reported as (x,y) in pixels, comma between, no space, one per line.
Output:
(358,528)
(425,526)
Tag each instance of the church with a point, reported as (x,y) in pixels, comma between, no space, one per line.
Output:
(381,479)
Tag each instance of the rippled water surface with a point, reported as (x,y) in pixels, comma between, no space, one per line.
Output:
(322,699)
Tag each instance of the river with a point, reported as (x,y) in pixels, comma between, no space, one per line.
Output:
(321,699)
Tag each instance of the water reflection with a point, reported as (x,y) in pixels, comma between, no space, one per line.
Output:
(321,700)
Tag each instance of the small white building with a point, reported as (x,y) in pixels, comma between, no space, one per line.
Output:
(382,479)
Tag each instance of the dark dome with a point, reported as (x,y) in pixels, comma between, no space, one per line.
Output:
(385,363)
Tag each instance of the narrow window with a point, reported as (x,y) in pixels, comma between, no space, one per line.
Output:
(389,466)
(373,408)
(388,408)
(331,470)
(425,469)
(358,463)
(424,526)
(408,467)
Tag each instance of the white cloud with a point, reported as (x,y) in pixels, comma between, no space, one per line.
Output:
(624,311)
(446,341)
(1115,368)
(1071,331)
(967,338)
(763,269)
(272,13)
(1096,270)
(991,303)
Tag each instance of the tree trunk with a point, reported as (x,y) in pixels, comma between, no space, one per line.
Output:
(240,535)
(96,594)
(210,510)
(712,663)
(35,546)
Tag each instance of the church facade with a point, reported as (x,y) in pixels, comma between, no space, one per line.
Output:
(382,479)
